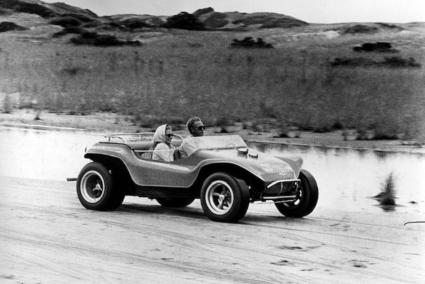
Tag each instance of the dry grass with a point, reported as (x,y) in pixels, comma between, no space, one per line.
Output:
(387,195)
(197,74)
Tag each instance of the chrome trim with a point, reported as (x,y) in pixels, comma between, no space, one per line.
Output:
(120,135)
(290,197)
(143,151)
(282,180)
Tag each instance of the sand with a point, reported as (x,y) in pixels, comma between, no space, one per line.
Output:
(46,236)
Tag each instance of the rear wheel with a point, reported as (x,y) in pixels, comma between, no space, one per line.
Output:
(175,202)
(96,189)
(224,198)
(307,196)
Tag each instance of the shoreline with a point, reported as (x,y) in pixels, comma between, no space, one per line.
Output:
(112,122)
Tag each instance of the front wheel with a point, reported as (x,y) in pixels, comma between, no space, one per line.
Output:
(224,198)
(96,190)
(307,196)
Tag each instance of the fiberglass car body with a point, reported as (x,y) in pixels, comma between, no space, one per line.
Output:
(223,172)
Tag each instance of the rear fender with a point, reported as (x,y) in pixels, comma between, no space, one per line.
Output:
(117,167)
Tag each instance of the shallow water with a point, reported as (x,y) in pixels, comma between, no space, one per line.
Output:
(347,179)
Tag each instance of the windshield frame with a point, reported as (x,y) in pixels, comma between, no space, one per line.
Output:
(219,142)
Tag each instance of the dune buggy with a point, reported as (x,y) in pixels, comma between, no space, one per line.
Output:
(223,173)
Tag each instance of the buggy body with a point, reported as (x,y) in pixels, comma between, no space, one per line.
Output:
(223,172)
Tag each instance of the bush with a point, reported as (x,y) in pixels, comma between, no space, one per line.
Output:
(375,47)
(9,26)
(185,21)
(66,22)
(249,42)
(394,62)
(397,61)
(387,196)
(92,38)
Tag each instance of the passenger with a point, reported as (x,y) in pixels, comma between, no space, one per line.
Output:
(189,145)
(163,150)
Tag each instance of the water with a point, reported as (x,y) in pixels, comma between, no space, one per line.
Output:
(347,179)
(38,154)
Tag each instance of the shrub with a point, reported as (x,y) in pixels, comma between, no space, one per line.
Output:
(387,196)
(375,47)
(356,61)
(66,22)
(394,61)
(92,38)
(249,42)
(185,21)
(9,26)
(397,61)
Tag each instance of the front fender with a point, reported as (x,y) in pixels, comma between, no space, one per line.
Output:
(294,162)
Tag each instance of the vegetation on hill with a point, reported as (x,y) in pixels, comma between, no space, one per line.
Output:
(170,78)
(92,38)
(9,26)
(312,78)
(249,42)
(185,21)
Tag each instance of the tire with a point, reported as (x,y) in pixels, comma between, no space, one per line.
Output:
(308,196)
(175,202)
(224,198)
(96,189)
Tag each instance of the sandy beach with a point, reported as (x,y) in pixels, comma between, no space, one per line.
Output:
(48,237)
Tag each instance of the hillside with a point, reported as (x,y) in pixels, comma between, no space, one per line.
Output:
(239,67)
(211,19)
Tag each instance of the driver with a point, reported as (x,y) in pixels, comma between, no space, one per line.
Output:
(163,150)
(189,145)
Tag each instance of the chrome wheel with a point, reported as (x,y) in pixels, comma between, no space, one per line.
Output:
(92,186)
(219,197)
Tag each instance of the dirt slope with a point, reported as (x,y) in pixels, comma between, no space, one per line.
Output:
(47,237)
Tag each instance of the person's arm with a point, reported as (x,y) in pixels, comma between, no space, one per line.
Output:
(187,147)
(163,152)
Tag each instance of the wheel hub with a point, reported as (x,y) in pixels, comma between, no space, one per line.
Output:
(219,197)
(92,186)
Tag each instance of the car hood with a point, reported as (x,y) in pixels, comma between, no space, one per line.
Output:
(267,167)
